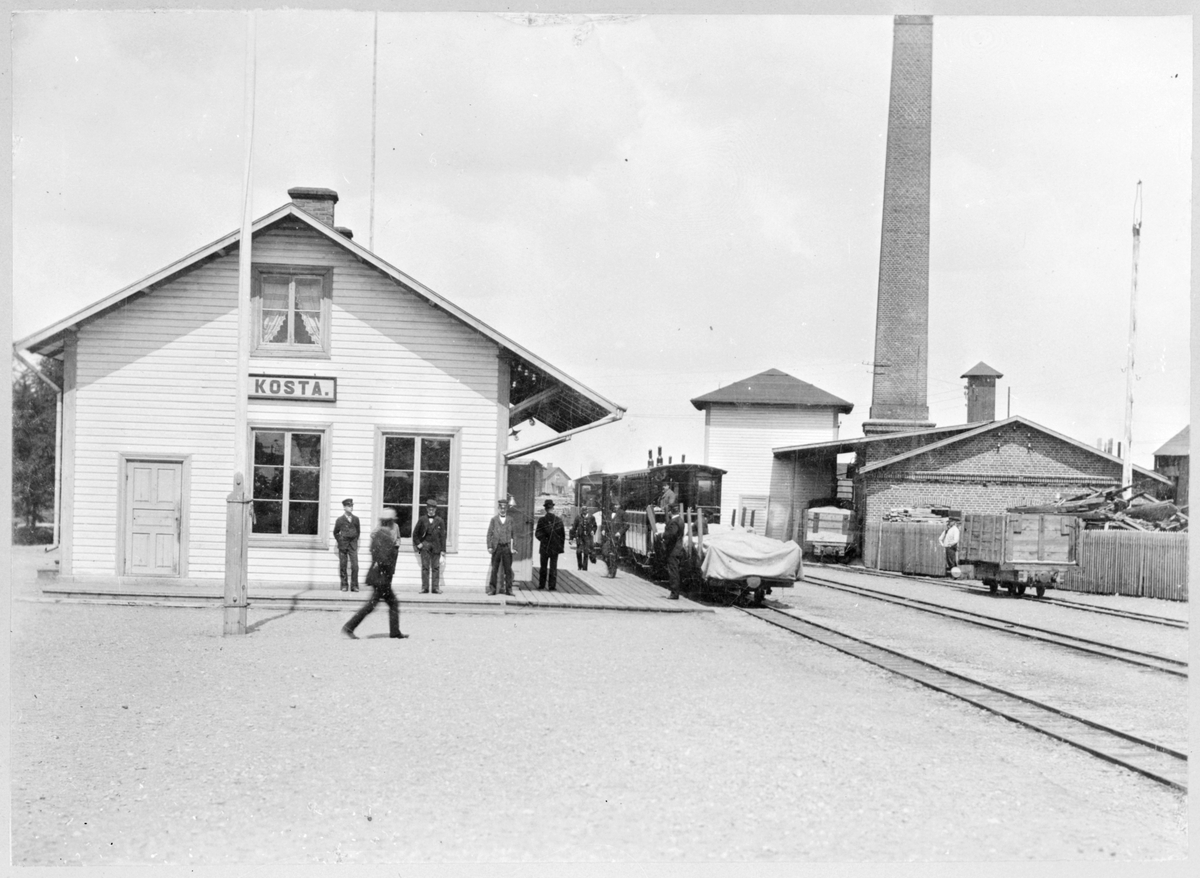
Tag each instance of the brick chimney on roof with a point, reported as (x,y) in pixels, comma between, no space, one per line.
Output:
(318,202)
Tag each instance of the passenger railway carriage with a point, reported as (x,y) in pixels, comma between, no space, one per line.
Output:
(697,487)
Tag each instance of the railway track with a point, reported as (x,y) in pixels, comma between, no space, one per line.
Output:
(1144,659)
(982,589)
(1159,763)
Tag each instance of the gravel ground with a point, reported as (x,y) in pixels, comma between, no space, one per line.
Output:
(140,735)
(1140,701)
(1129,633)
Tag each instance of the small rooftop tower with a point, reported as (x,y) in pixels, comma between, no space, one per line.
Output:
(981,393)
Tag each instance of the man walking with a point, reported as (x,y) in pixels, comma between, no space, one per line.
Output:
(385,547)
(500,546)
(581,533)
(552,538)
(948,540)
(345,534)
(429,541)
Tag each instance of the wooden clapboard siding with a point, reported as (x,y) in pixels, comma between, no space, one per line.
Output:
(157,376)
(739,439)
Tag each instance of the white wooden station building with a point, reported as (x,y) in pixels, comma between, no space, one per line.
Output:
(363,383)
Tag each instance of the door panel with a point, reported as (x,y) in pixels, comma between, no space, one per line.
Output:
(153,510)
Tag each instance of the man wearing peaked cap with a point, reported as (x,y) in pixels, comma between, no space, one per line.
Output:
(385,547)
(346,531)
(552,537)
(500,537)
(429,541)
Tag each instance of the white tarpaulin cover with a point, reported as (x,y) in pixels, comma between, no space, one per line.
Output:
(737,553)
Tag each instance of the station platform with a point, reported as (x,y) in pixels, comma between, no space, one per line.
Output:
(576,590)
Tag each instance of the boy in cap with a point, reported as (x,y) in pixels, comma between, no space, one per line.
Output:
(345,533)
(552,537)
(429,541)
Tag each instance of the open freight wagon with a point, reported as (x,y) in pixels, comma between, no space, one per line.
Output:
(1018,550)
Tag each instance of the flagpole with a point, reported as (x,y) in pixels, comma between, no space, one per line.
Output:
(1127,459)
(237,505)
(374,90)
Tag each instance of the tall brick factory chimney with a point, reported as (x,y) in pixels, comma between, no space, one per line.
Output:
(899,390)
(981,393)
(318,202)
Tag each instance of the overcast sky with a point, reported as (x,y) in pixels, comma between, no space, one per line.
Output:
(656,205)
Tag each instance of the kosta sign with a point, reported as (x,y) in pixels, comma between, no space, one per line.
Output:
(302,388)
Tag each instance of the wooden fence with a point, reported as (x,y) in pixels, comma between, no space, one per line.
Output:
(1153,565)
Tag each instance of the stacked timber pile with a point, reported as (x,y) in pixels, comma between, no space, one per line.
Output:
(1108,511)
(936,514)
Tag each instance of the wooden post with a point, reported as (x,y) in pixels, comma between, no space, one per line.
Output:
(237,535)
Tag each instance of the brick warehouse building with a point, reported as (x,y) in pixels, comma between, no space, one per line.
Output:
(986,467)
(364,383)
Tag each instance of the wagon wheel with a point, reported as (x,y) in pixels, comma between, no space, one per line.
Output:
(1041,590)
(992,585)
(1010,588)
(1020,589)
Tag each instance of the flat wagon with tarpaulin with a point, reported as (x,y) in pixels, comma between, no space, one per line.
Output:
(1018,550)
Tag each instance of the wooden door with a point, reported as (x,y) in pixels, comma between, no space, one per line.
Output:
(523,486)
(153,510)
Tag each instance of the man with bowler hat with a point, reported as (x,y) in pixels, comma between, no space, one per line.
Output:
(429,541)
(500,546)
(385,548)
(552,537)
(345,534)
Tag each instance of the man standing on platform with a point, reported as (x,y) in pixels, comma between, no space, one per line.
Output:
(500,546)
(673,544)
(581,533)
(345,533)
(552,537)
(429,541)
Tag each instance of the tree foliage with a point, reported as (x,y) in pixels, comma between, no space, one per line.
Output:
(33,424)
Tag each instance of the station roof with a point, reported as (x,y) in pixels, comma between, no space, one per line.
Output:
(1178,445)
(939,437)
(772,387)
(845,446)
(539,390)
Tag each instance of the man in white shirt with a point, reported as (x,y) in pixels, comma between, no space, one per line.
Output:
(948,540)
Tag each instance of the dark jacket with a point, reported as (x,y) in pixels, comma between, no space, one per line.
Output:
(673,536)
(385,549)
(551,534)
(431,532)
(344,532)
(582,529)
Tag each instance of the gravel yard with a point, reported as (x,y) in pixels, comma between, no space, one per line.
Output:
(141,735)
(1141,701)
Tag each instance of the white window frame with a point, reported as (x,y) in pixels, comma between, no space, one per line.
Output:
(454,434)
(288,349)
(319,540)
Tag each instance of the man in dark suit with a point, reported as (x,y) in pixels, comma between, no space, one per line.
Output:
(581,533)
(674,546)
(552,537)
(429,541)
(345,533)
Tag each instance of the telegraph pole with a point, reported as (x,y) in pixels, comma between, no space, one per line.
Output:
(237,503)
(1127,460)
